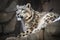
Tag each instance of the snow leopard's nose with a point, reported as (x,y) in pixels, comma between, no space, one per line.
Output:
(21,16)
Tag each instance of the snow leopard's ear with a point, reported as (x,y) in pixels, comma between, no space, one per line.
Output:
(17,6)
(28,5)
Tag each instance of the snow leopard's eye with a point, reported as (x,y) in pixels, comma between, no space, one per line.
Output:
(22,9)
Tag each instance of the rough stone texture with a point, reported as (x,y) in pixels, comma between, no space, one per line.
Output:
(55,4)
(11,38)
(52,31)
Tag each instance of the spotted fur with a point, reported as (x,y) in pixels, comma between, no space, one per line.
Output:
(34,21)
